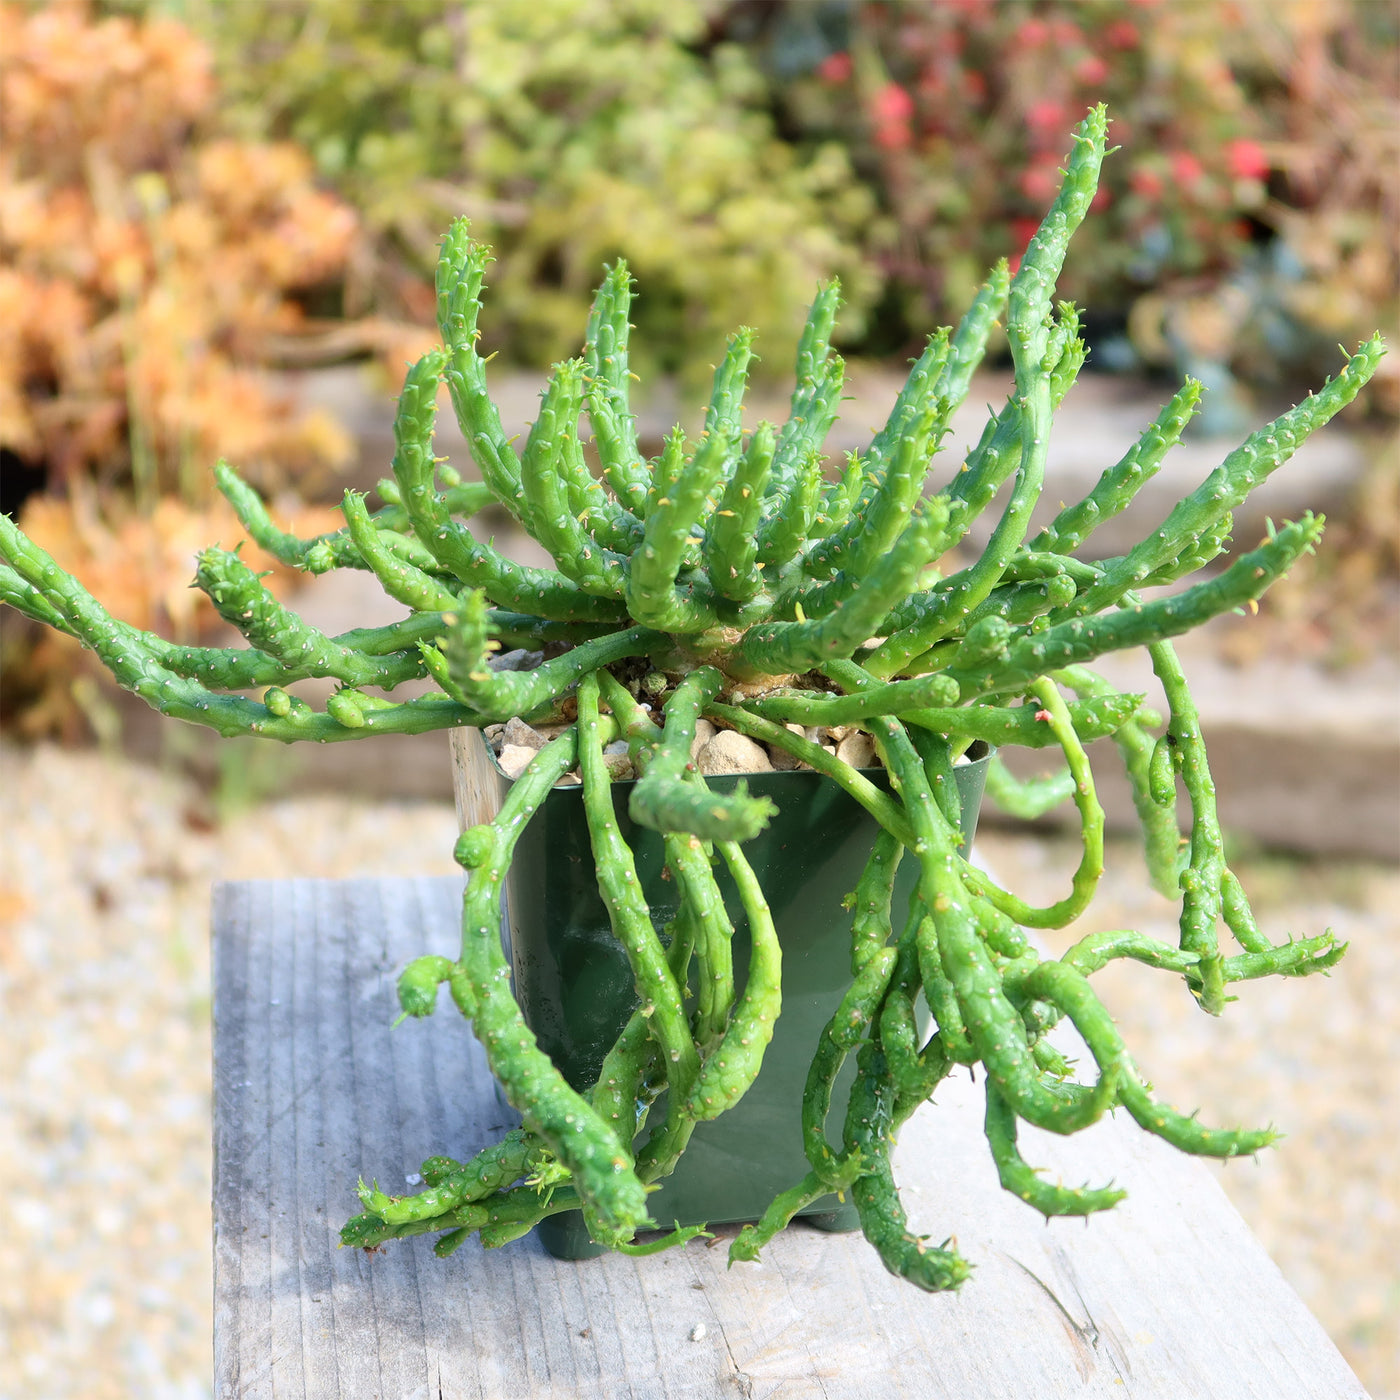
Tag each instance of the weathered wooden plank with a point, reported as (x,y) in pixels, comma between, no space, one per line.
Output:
(1167,1296)
(475,783)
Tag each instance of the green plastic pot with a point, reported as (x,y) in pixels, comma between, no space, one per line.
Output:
(575,987)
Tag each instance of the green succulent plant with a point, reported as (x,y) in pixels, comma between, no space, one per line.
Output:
(766,594)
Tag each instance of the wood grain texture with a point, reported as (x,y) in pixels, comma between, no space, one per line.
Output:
(474,781)
(1167,1296)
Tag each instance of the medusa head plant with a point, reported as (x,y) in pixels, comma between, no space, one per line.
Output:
(730,578)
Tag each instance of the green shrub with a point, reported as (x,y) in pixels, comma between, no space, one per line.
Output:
(570,131)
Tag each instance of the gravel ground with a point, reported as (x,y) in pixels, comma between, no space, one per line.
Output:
(105,1273)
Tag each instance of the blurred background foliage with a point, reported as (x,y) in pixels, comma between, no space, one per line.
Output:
(1248,225)
(195,195)
(142,270)
(571,132)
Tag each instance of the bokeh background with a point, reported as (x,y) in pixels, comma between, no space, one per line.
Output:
(218,223)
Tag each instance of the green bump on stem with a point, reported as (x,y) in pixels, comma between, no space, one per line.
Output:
(544,478)
(609,394)
(1161,772)
(731,537)
(419,982)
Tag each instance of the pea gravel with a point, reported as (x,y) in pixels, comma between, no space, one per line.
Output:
(105,869)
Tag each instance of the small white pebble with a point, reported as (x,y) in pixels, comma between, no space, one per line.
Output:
(515,759)
(783,761)
(517,733)
(413,1178)
(704,732)
(857,749)
(729,752)
(697,1333)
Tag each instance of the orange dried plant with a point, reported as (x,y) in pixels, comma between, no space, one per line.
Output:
(144,269)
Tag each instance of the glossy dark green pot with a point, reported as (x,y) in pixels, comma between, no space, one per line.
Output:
(574,984)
